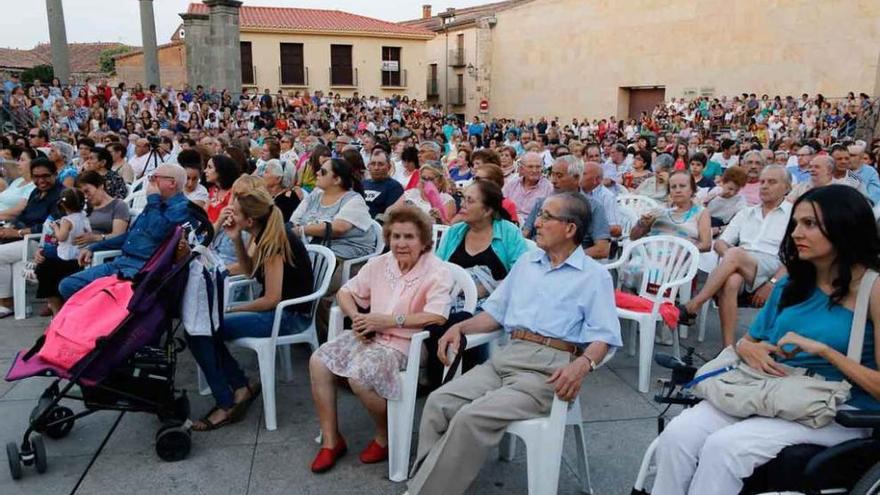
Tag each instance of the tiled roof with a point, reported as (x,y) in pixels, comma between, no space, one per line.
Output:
(295,19)
(463,16)
(84,57)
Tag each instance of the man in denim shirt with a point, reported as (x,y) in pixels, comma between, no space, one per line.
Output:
(166,208)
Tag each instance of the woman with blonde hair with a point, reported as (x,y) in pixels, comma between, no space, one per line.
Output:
(431,194)
(278,260)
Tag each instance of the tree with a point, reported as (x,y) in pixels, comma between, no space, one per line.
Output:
(106,61)
(44,73)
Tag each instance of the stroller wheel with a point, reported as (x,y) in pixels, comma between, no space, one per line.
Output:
(39,449)
(59,429)
(14,460)
(173,442)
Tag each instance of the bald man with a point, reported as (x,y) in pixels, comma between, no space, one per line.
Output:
(166,209)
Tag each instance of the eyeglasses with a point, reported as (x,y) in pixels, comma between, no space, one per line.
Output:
(544,216)
(323,171)
(155,177)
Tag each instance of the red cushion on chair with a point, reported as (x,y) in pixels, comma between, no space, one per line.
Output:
(632,302)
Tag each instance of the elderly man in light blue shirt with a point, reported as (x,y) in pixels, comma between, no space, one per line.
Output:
(557,304)
(866,174)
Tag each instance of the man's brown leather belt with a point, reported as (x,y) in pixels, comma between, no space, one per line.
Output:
(529,336)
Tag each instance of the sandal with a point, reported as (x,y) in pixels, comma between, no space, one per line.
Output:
(205,424)
(684,317)
(239,410)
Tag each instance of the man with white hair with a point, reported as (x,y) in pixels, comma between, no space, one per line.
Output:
(166,209)
(867,175)
(821,170)
(141,154)
(593,187)
(753,162)
(530,187)
(749,250)
(429,151)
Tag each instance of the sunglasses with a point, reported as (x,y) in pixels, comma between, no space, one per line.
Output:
(323,171)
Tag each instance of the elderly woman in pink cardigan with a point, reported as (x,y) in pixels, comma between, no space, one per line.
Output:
(406,290)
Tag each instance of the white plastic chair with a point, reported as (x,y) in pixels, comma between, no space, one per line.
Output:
(323,264)
(101,257)
(19,282)
(544,439)
(437,232)
(402,411)
(637,203)
(531,244)
(667,263)
(380,246)
(628,218)
(137,199)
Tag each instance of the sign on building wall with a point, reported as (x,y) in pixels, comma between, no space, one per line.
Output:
(390,65)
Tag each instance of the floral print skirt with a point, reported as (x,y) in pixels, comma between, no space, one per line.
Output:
(374,365)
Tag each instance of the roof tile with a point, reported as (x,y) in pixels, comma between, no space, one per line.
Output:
(314,20)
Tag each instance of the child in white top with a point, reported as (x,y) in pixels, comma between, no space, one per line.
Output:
(73,224)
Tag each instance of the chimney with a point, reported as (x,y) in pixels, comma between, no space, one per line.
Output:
(426,11)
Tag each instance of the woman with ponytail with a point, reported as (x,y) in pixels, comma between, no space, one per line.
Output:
(276,258)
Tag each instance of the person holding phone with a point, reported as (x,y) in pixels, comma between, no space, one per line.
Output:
(406,289)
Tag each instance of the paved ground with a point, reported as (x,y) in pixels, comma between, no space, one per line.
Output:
(247,459)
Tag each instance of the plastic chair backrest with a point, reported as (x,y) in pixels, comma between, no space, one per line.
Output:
(323,264)
(664,261)
(637,203)
(437,232)
(464,283)
(628,218)
(380,239)
(531,244)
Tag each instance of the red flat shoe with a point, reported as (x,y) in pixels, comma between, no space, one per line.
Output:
(327,458)
(374,453)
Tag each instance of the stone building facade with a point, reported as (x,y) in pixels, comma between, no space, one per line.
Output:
(576,58)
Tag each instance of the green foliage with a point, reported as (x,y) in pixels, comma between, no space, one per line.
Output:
(44,73)
(105,59)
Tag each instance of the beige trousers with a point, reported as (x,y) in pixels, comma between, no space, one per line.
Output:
(465,418)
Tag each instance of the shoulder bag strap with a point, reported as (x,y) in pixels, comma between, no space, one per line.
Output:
(857,332)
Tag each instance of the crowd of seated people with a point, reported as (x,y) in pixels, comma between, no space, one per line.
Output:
(324,170)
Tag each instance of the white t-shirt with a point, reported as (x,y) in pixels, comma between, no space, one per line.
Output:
(67,250)
(719,157)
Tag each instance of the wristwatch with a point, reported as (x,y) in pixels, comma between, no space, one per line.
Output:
(399,320)
(592,363)
(773,280)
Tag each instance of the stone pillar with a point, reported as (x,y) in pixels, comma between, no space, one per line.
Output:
(58,40)
(148,39)
(226,42)
(484,61)
(199,52)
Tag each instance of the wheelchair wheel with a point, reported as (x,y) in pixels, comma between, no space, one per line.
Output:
(869,483)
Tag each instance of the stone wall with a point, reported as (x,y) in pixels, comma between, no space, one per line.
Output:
(570,58)
(172,67)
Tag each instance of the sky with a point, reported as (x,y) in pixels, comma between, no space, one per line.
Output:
(119,20)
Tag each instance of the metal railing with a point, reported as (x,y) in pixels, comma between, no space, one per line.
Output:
(456,96)
(401,82)
(344,82)
(433,89)
(303,79)
(457,57)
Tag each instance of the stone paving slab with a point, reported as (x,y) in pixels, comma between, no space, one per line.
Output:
(247,459)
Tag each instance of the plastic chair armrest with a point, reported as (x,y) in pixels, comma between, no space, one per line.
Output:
(101,257)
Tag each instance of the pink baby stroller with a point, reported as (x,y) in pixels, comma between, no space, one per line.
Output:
(130,369)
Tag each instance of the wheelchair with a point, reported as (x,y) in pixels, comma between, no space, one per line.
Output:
(851,467)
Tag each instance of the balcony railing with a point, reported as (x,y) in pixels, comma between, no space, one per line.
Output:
(457,57)
(393,79)
(343,77)
(433,89)
(456,96)
(297,79)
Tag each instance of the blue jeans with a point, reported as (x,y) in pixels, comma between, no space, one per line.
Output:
(127,265)
(221,370)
